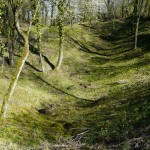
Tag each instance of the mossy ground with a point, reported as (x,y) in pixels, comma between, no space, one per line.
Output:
(102,89)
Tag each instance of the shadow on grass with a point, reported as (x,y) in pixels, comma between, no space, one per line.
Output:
(36,51)
(144,42)
(27,63)
(82,46)
(115,121)
(97,72)
(32,67)
(122,39)
(31,128)
(87,50)
(123,115)
(60,90)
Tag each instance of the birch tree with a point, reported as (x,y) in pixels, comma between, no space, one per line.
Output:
(138,4)
(2,46)
(25,35)
(61,13)
(38,29)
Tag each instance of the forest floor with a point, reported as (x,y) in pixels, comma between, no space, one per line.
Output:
(100,99)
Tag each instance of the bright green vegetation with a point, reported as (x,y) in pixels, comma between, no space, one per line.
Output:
(102,89)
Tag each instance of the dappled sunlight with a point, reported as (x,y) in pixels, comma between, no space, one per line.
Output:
(75,75)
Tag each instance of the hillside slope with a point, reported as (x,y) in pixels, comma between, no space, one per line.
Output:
(101,95)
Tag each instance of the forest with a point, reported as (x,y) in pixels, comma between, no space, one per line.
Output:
(74,74)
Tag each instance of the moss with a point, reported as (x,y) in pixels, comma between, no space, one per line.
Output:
(107,96)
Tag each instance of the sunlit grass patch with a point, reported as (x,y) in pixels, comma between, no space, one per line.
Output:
(105,94)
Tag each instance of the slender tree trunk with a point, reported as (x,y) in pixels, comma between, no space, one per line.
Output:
(20,64)
(71,23)
(127,9)
(122,10)
(136,32)
(61,33)
(52,15)
(113,11)
(60,57)
(46,14)
(3,61)
(12,48)
(137,12)
(40,50)
(3,54)
(39,36)
(10,34)
(145,7)
(70,14)
(14,38)
(42,64)
(28,12)
(15,79)
(108,5)
(2,51)
(11,57)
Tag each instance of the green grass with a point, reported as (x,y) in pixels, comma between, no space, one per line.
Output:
(102,88)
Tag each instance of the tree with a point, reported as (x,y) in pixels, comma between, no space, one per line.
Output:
(10,24)
(2,46)
(61,13)
(52,11)
(138,4)
(38,28)
(25,35)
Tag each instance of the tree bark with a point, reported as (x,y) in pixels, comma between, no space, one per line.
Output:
(137,12)
(42,64)
(52,14)
(60,57)
(15,78)
(11,57)
(136,32)
(40,51)
(38,28)
(122,10)
(61,12)
(3,63)
(20,64)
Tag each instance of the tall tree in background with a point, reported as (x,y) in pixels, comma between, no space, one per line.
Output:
(52,4)
(44,12)
(39,32)
(11,35)
(2,46)
(138,4)
(61,13)
(147,8)
(70,13)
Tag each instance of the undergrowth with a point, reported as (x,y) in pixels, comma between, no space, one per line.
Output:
(100,95)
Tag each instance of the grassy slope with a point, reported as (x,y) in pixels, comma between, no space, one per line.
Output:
(102,88)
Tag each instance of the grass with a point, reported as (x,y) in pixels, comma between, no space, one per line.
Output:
(102,90)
